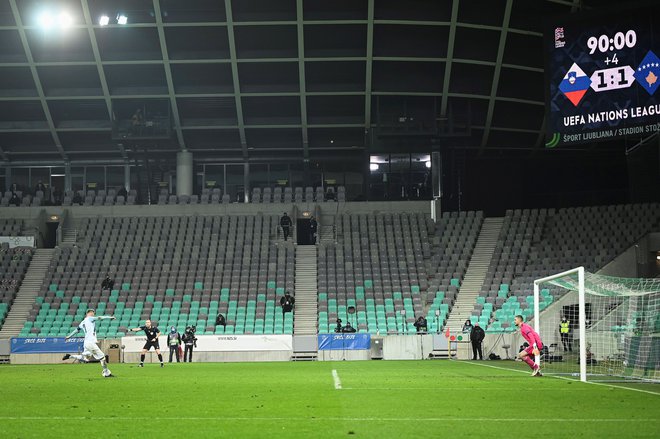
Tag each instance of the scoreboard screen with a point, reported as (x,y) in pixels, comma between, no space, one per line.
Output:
(602,76)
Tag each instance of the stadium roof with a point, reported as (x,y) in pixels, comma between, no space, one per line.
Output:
(265,79)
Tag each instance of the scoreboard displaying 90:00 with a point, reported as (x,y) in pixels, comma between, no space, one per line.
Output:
(602,76)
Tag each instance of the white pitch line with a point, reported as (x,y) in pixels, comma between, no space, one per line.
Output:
(317,418)
(335,378)
(570,379)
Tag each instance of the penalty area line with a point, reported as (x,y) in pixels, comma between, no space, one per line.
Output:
(335,378)
(569,379)
(316,418)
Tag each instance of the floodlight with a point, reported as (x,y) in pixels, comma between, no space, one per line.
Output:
(104,20)
(122,19)
(428,164)
(373,166)
(64,20)
(46,20)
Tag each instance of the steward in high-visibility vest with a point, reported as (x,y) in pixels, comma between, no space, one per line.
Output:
(565,333)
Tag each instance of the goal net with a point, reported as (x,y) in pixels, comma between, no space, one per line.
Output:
(601,328)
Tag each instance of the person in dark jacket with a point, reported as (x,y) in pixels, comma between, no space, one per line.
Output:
(174,343)
(107,283)
(421,324)
(15,200)
(220,321)
(285,223)
(348,328)
(190,342)
(313,226)
(122,192)
(287,301)
(477,336)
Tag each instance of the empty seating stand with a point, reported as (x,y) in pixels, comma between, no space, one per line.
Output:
(14,263)
(208,265)
(383,265)
(537,243)
(297,194)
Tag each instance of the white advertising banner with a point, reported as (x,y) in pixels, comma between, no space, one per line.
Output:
(18,241)
(221,343)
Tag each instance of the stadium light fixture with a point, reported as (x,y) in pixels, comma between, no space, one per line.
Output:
(64,20)
(104,20)
(46,20)
(428,165)
(122,19)
(373,166)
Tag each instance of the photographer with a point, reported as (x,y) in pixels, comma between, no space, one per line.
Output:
(189,341)
(287,301)
(348,328)
(421,324)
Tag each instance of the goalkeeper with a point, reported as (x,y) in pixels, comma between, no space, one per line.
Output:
(535,345)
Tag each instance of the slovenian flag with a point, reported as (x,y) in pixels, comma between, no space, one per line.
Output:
(575,84)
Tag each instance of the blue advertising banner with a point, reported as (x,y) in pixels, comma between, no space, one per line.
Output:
(348,342)
(46,345)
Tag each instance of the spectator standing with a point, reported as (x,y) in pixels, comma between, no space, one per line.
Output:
(313,227)
(477,336)
(190,342)
(285,223)
(122,192)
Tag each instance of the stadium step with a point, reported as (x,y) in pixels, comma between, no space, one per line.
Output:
(327,234)
(475,274)
(305,318)
(29,290)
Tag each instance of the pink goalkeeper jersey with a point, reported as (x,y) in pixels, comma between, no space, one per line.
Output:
(530,335)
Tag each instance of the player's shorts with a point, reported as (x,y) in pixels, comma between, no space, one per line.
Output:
(92,350)
(151,344)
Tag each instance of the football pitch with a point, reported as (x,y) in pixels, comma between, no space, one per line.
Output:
(318,399)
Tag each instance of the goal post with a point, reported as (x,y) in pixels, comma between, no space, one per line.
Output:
(600,328)
(581,317)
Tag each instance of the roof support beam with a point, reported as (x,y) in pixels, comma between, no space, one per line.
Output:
(496,75)
(369,66)
(301,77)
(35,78)
(99,67)
(450,56)
(235,79)
(168,74)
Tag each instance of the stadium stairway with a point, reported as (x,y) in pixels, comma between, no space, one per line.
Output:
(30,289)
(475,274)
(305,317)
(327,234)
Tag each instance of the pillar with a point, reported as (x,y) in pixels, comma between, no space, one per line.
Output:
(184,173)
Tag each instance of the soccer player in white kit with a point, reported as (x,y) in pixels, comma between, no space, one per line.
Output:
(91,349)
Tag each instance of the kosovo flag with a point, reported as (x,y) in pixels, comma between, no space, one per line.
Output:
(575,84)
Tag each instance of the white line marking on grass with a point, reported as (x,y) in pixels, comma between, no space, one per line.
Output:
(570,379)
(317,418)
(335,378)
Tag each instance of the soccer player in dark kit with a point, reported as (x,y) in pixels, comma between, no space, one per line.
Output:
(152,333)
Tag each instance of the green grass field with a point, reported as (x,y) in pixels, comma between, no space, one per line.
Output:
(376,399)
